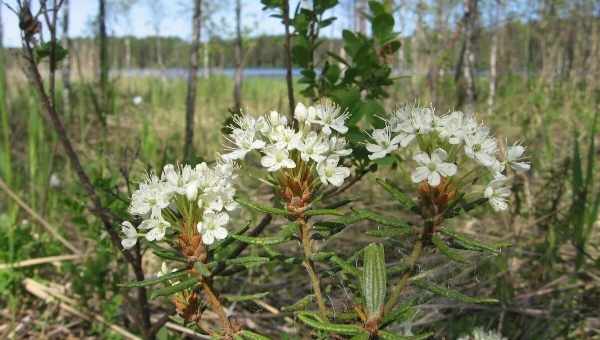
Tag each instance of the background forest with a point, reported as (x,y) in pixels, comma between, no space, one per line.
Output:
(128,103)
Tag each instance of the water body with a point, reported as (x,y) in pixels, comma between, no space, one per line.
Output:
(182,72)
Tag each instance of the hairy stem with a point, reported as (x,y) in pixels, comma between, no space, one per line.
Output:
(403,283)
(310,265)
(217,307)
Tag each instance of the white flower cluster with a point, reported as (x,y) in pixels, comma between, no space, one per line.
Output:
(180,191)
(441,141)
(316,140)
(480,334)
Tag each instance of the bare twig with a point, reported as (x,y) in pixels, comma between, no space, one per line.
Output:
(50,295)
(37,217)
(39,260)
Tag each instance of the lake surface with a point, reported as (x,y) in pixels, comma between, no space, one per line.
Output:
(183,72)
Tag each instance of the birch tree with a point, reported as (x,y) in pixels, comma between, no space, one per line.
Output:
(192,81)
(237,89)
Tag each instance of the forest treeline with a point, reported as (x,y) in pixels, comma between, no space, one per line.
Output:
(568,47)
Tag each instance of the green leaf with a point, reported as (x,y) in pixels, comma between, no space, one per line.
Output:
(345,266)
(301,304)
(320,212)
(400,196)
(187,284)
(248,261)
(450,294)
(470,243)
(385,335)
(389,232)
(402,313)
(444,249)
(229,240)
(44,50)
(312,320)
(202,269)
(164,278)
(374,280)
(249,297)
(253,336)
(388,221)
(261,241)
(261,208)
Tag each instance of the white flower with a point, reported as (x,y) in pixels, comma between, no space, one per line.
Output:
(285,137)
(330,172)
(276,158)
(274,120)
(304,114)
(211,226)
(131,235)
(55,181)
(245,141)
(432,168)
(157,228)
(337,147)
(331,117)
(456,126)
(384,144)
(514,156)
(313,147)
(423,119)
(497,194)
(183,181)
(137,100)
(151,197)
(480,147)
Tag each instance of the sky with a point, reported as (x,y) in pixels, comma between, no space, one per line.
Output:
(174,21)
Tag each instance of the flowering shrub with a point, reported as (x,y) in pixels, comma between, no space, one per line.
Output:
(190,203)
(300,159)
(451,153)
(454,163)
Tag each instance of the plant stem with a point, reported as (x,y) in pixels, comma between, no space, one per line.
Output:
(399,288)
(310,265)
(217,307)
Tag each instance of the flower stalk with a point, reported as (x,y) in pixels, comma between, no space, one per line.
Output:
(309,265)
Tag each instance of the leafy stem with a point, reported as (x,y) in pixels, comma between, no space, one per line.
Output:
(304,229)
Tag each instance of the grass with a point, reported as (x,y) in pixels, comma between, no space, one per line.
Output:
(138,137)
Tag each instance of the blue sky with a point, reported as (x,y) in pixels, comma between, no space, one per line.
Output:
(175,20)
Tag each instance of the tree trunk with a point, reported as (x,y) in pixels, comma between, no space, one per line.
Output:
(288,56)
(469,54)
(128,52)
(237,89)
(103,46)
(494,59)
(192,82)
(360,21)
(66,70)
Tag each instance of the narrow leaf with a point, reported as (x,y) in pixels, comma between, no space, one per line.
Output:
(261,208)
(261,241)
(388,232)
(444,249)
(374,280)
(187,284)
(248,297)
(311,320)
(164,278)
(252,336)
(320,212)
(449,293)
(471,243)
(400,196)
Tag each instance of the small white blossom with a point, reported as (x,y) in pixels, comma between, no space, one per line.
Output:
(211,227)
(330,172)
(137,100)
(130,233)
(497,194)
(313,147)
(156,227)
(151,197)
(245,141)
(183,181)
(385,143)
(338,147)
(514,156)
(276,158)
(331,117)
(432,168)
(481,147)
